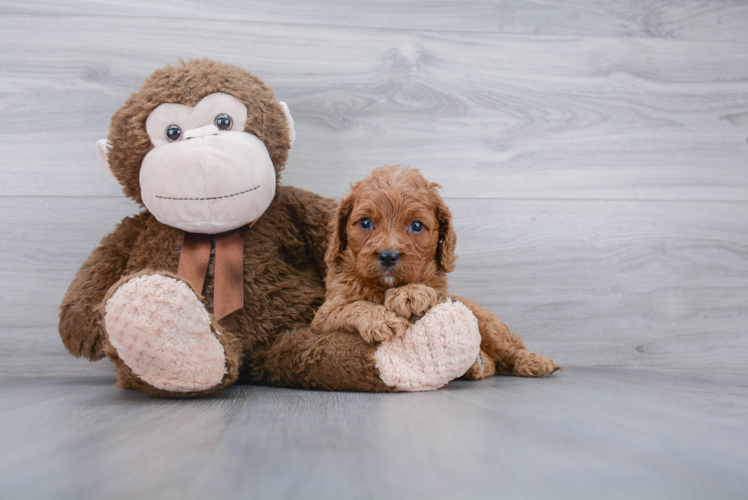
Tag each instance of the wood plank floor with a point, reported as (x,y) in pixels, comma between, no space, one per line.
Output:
(588,433)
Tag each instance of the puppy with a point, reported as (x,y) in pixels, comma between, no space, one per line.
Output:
(391,247)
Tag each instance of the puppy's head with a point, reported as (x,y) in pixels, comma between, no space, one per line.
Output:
(392,229)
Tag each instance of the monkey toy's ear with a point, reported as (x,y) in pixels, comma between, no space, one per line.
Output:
(101,151)
(289,119)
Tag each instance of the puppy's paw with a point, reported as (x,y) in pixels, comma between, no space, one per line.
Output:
(483,367)
(410,300)
(386,327)
(532,364)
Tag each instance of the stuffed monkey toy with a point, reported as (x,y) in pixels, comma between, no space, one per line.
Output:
(219,277)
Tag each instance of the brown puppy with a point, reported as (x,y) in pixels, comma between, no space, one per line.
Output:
(391,246)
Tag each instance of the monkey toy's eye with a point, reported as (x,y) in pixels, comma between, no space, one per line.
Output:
(173,133)
(223,121)
(416,226)
(365,223)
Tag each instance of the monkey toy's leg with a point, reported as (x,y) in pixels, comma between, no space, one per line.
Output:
(162,339)
(436,349)
(505,349)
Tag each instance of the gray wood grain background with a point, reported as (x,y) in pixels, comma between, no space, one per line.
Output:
(594,153)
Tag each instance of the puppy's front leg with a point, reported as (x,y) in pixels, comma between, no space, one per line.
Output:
(410,300)
(373,322)
(505,348)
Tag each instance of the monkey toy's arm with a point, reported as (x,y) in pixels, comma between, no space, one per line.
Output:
(312,214)
(80,321)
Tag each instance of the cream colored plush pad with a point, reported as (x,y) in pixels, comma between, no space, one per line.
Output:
(436,349)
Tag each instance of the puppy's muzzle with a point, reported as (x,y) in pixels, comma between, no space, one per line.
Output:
(388,258)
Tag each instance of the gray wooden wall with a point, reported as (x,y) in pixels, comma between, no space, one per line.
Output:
(594,154)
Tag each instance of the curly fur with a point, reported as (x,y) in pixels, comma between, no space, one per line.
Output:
(381,303)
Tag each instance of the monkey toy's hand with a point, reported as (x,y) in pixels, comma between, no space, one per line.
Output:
(410,301)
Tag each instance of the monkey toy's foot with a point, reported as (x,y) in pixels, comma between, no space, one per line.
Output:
(162,338)
(439,347)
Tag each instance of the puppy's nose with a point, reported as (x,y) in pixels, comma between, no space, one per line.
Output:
(388,258)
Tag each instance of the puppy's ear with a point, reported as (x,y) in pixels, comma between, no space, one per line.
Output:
(338,234)
(445,249)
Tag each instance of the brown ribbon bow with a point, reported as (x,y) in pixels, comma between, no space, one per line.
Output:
(228,283)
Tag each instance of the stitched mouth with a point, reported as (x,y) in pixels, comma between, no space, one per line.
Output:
(207,198)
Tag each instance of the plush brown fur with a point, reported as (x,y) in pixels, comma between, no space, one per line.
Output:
(380,303)
(284,253)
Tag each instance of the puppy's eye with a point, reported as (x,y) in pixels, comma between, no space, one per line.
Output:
(416,226)
(365,223)
(173,133)
(223,121)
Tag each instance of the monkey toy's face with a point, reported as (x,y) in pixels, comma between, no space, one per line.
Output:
(200,145)
(205,173)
